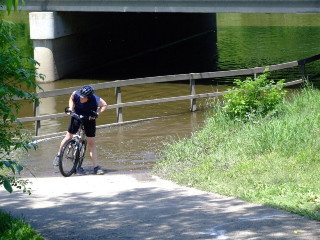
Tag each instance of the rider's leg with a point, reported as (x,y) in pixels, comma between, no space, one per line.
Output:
(90,129)
(92,150)
(72,129)
(66,138)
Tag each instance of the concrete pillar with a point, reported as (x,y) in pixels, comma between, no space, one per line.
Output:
(56,46)
(44,31)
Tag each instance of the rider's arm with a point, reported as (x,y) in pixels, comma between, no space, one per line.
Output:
(102,106)
(71,102)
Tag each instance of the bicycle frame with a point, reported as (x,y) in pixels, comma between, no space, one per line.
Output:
(81,141)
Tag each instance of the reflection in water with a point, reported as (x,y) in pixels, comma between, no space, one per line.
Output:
(249,40)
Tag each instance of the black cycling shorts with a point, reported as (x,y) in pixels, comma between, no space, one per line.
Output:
(89,127)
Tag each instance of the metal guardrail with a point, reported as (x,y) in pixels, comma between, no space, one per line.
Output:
(192,77)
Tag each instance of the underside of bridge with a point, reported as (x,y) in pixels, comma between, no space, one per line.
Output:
(123,45)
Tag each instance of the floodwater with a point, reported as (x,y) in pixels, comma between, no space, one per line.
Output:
(126,148)
(244,40)
(130,147)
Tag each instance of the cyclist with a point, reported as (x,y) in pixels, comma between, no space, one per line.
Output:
(85,102)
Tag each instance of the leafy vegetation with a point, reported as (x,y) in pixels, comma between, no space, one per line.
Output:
(16,229)
(11,4)
(16,74)
(273,160)
(252,97)
(17,81)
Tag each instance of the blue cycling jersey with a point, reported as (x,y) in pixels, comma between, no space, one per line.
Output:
(86,108)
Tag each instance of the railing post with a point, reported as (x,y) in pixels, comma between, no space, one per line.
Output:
(36,112)
(193,101)
(303,71)
(118,100)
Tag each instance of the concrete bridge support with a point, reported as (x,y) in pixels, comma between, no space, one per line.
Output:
(58,43)
(69,43)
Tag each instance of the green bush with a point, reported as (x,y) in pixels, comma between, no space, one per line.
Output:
(16,229)
(253,97)
(16,74)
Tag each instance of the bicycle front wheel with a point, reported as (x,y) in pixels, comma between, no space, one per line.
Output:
(69,158)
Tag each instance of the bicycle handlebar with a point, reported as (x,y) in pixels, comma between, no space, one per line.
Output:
(80,117)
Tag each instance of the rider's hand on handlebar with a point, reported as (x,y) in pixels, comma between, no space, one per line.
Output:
(94,115)
(67,110)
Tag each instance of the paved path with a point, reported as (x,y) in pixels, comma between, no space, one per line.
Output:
(140,206)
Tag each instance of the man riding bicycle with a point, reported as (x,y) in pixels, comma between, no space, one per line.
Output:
(85,102)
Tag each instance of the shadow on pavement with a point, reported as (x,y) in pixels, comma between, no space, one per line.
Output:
(124,207)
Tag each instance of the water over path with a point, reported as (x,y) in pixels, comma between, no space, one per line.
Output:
(126,148)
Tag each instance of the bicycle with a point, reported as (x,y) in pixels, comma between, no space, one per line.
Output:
(73,151)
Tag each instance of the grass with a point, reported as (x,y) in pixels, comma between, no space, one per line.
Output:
(273,161)
(16,229)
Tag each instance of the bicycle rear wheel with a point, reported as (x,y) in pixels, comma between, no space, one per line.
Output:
(69,158)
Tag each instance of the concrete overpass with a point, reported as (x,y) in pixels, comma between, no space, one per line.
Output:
(185,6)
(72,35)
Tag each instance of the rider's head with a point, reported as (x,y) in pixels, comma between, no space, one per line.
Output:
(86,91)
